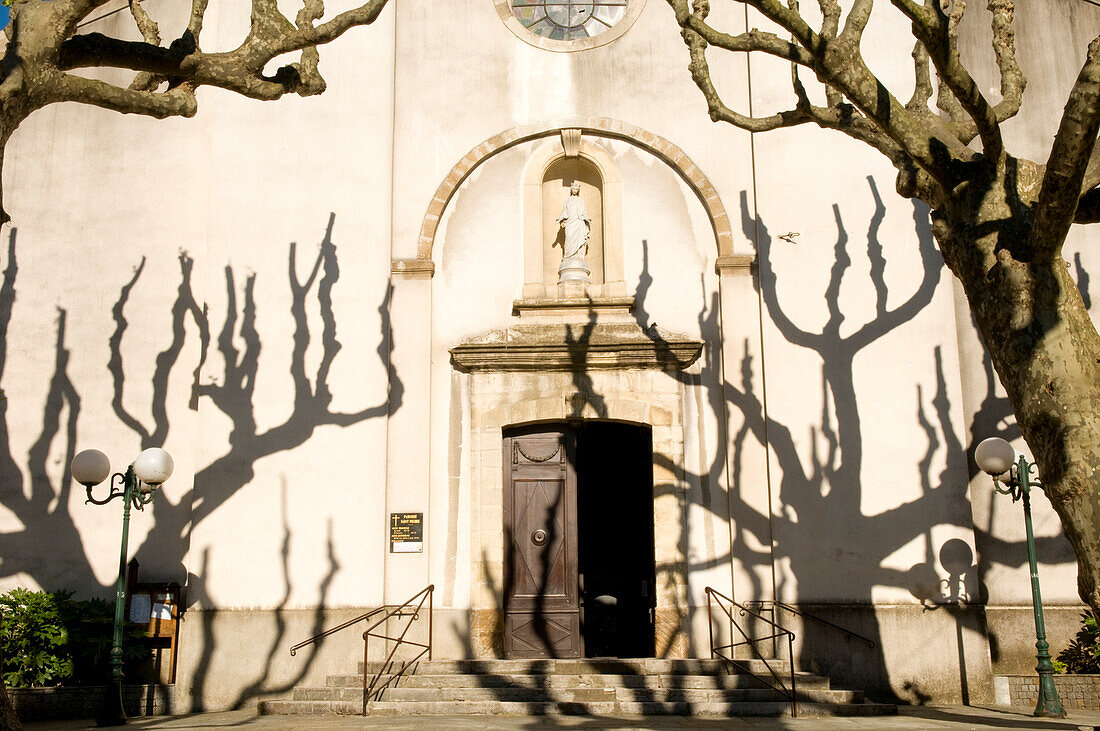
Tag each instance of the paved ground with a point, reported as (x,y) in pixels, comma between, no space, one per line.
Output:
(923,717)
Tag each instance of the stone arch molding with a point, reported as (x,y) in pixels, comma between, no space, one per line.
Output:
(595,127)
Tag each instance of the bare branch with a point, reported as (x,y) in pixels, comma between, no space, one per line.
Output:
(947,103)
(240,70)
(938,32)
(857,21)
(885,122)
(43,43)
(365,14)
(176,102)
(830,18)
(753,40)
(922,81)
(830,26)
(311,11)
(96,49)
(1069,157)
(194,25)
(148,27)
(145,81)
(1004,48)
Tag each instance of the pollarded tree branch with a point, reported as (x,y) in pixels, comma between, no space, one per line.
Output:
(856,21)
(1004,48)
(1069,157)
(922,81)
(150,32)
(700,72)
(365,14)
(311,11)
(240,70)
(176,102)
(830,18)
(926,140)
(923,140)
(97,50)
(937,31)
(753,40)
(830,26)
(43,43)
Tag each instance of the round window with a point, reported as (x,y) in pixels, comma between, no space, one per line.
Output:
(569,20)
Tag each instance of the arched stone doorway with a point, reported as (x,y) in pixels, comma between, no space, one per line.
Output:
(647,398)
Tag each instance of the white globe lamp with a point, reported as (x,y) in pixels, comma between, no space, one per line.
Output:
(995,456)
(153,466)
(90,467)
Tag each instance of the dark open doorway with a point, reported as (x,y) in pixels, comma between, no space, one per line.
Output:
(615,539)
(580,575)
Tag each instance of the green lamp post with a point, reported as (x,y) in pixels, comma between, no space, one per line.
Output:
(136,487)
(997,458)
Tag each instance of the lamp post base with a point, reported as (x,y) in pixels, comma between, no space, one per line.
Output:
(1049,704)
(112,713)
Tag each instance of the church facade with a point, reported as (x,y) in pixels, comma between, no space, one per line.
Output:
(504,313)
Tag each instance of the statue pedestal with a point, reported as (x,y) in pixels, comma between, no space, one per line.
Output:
(574,269)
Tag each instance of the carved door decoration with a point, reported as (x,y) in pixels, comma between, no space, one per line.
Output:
(542,607)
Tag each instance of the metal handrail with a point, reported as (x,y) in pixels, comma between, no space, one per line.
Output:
(717,597)
(327,632)
(373,691)
(807,615)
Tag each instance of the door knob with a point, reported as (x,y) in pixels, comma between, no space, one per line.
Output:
(539,537)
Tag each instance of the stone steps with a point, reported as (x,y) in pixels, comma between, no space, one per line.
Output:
(575,695)
(595,686)
(598,665)
(597,708)
(731,682)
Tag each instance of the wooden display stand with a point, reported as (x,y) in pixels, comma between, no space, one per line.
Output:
(157,606)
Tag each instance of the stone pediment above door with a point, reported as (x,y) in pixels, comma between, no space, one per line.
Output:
(576,335)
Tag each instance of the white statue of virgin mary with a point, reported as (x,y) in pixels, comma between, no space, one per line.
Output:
(576,228)
(576,223)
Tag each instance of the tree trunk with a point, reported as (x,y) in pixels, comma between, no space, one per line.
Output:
(1043,345)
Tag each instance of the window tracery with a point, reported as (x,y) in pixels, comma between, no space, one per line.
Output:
(567,20)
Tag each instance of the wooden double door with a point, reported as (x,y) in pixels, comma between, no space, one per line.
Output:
(578,541)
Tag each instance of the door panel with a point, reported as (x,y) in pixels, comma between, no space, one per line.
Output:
(540,525)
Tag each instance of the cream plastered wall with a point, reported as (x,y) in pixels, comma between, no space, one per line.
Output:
(288,518)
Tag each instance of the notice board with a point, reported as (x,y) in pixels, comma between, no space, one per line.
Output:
(406,532)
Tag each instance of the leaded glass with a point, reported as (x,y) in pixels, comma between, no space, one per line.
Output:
(567,20)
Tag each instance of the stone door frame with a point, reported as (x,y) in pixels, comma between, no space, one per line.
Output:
(500,400)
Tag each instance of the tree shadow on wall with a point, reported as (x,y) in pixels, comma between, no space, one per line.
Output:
(44,513)
(825,548)
(822,542)
(817,538)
